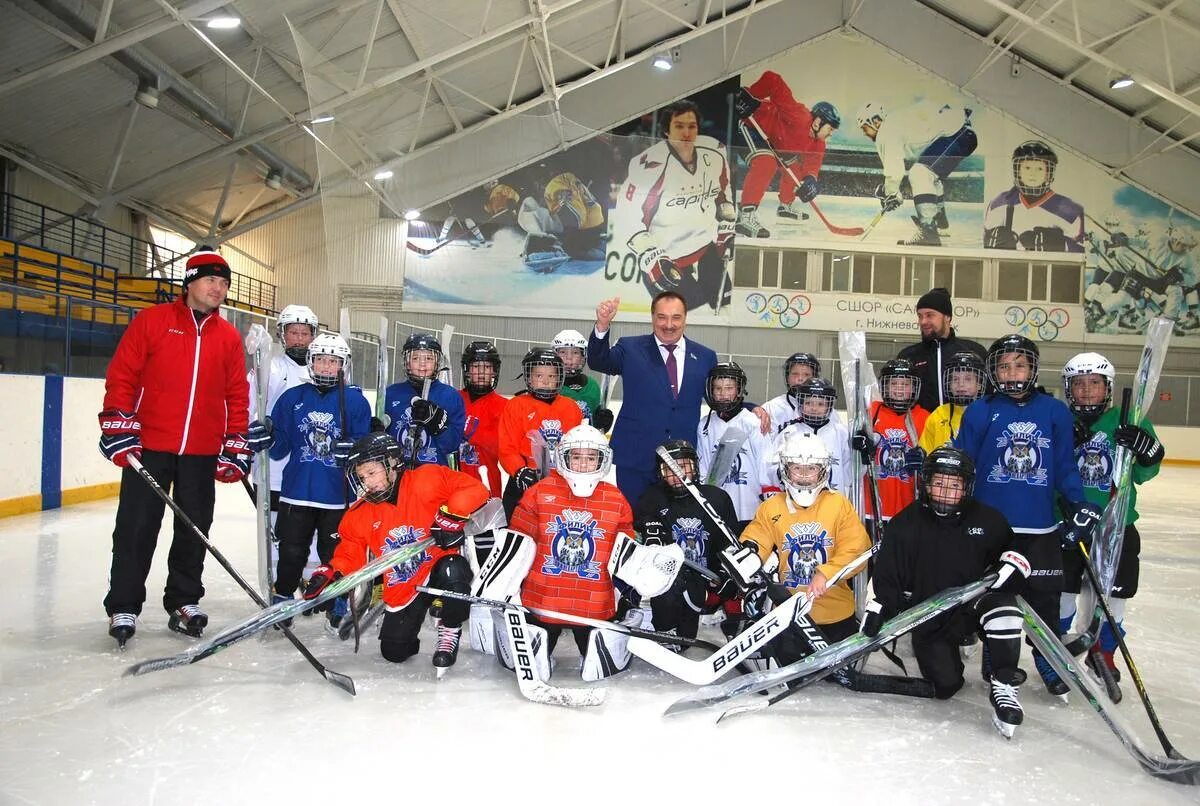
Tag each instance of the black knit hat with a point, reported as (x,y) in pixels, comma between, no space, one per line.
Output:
(937,299)
(206,264)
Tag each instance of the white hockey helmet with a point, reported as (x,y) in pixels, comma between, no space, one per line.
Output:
(571,450)
(869,111)
(569,338)
(296,315)
(799,453)
(328,344)
(1088,364)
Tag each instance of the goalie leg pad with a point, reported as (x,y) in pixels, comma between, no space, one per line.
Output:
(506,566)
(650,570)
(607,654)
(482,629)
(529,639)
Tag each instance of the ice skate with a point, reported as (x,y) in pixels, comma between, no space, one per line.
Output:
(748,224)
(446,652)
(926,235)
(791,211)
(336,614)
(1007,713)
(188,619)
(985,668)
(1054,684)
(122,626)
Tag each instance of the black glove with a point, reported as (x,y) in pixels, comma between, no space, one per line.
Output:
(259,435)
(525,478)
(755,602)
(999,238)
(321,577)
(602,420)
(341,451)
(1082,433)
(1146,449)
(745,104)
(809,189)
(1079,529)
(1044,239)
(430,416)
(447,530)
(872,619)
(864,442)
(654,533)
(914,458)
(888,201)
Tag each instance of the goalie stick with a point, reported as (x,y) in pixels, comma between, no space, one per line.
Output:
(258,342)
(344,682)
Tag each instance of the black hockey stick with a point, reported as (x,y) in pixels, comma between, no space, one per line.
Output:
(344,682)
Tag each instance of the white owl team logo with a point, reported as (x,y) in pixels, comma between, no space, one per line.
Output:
(893,444)
(548,434)
(397,538)
(1095,461)
(1022,450)
(319,434)
(691,535)
(807,546)
(573,545)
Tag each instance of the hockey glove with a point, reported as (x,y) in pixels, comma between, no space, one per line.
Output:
(745,104)
(1013,571)
(1000,238)
(1082,433)
(756,602)
(233,463)
(1044,239)
(888,200)
(742,565)
(378,426)
(809,189)
(653,533)
(525,478)
(1080,527)
(864,442)
(913,459)
(1146,449)
(602,420)
(320,578)
(120,436)
(259,436)
(726,227)
(341,451)
(872,619)
(447,530)
(1117,240)
(430,416)
(658,271)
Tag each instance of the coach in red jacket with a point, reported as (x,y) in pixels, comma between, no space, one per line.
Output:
(176,396)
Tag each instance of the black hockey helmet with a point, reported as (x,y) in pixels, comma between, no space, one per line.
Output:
(378,447)
(827,112)
(474,353)
(947,461)
(896,370)
(421,342)
(542,357)
(1034,150)
(679,450)
(815,388)
(807,359)
(725,369)
(960,365)
(1021,346)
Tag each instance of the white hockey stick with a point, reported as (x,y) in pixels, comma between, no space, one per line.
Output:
(533,689)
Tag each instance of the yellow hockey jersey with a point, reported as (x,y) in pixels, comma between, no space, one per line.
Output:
(942,426)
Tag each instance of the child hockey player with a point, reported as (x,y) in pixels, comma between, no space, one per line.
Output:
(530,421)
(571,347)
(729,441)
(945,540)
(481,437)
(430,429)
(397,507)
(313,426)
(814,399)
(1020,439)
(1088,388)
(784,409)
(964,381)
(892,446)
(667,513)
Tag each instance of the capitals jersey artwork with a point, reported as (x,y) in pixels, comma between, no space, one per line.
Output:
(1022,451)
(398,405)
(284,374)
(1095,460)
(306,423)
(746,479)
(692,537)
(661,518)
(896,434)
(574,538)
(382,527)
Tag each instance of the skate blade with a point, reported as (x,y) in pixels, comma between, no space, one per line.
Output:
(441,671)
(1006,730)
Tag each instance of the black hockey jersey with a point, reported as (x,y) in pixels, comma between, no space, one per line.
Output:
(662,518)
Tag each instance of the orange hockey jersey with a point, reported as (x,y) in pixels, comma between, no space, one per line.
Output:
(481,436)
(386,527)
(574,538)
(897,486)
(520,421)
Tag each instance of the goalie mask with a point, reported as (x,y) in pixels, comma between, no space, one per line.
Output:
(321,368)
(804,467)
(422,354)
(947,481)
(688,460)
(1088,385)
(1012,366)
(375,467)
(297,315)
(583,459)
(899,385)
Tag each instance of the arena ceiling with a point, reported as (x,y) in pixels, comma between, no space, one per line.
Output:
(448,94)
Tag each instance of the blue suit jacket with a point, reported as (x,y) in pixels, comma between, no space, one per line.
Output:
(650,415)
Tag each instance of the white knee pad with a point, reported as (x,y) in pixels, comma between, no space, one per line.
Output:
(607,654)
(534,640)
(923,181)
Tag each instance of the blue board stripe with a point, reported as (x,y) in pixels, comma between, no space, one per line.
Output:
(52,421)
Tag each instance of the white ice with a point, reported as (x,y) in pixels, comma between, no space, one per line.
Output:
(255,724)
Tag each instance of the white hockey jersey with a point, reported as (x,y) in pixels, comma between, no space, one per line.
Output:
(906,132)
(782,410)
(677,206)
(745,480)
(285,373)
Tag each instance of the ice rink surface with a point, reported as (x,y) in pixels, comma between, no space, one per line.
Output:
(256,724)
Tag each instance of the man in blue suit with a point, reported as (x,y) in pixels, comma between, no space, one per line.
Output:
(665,375)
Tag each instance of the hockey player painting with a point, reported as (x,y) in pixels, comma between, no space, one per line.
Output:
(429,429)
(396,507)
(945,540)
(674,215)
(773,122)
(934,138)
(1031,215)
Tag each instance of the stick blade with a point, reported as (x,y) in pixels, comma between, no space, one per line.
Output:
(343,681)
(156,664)
(566,697)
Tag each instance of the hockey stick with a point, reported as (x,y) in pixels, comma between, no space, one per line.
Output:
(1157,269)
(533,688)
(836,230)
(257,344)
(1176,770)
(340,680)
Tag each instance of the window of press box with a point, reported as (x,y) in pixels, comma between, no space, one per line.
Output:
(901,275)
(770,268)
(1038,282)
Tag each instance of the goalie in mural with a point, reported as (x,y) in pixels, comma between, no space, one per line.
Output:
(1031,215)
(673,214)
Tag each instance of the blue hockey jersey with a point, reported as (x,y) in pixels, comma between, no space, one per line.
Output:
(398,405)
(1024,453)
(306,424)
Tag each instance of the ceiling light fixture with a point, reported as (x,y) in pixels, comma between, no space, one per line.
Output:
(662,61)
(1120,83)
(327,118)
(223,22)
(382,175)
(412,215)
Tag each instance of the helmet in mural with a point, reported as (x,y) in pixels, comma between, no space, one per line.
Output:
(1033,165)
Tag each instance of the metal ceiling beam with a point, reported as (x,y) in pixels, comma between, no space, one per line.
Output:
(394,7)
(1105,44)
